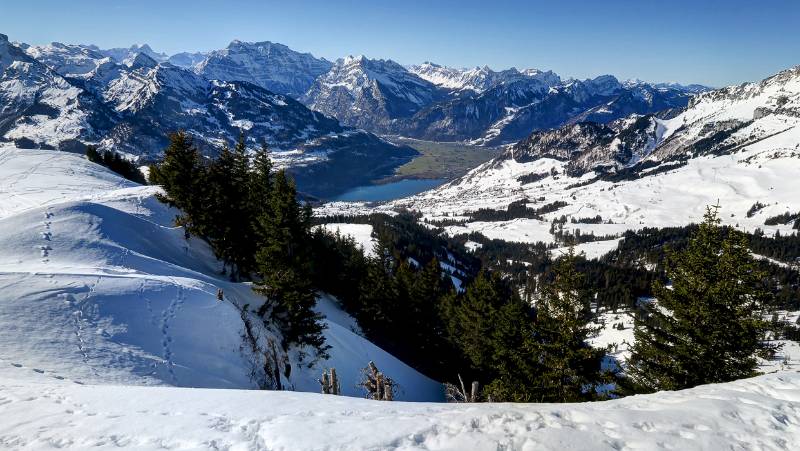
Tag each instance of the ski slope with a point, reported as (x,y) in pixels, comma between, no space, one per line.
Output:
(98,287)
(762,413)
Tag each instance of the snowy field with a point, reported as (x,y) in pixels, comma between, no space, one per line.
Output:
(100,288)
(111,336)
(760,165)
(43,413)
(361,233)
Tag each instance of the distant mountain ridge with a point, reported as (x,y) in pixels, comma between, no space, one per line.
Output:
(477,105)
(272,66)
(425,101)
(64,96)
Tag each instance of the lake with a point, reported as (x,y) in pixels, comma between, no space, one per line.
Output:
(388,191)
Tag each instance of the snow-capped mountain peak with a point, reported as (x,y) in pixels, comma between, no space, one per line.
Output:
(141,60)
(478,79)
(369,93)
(272,66)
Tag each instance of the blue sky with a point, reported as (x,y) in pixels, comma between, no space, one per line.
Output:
(701,41)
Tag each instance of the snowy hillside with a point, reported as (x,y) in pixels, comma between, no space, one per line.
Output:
(100,288)
(760,413)
(736,146)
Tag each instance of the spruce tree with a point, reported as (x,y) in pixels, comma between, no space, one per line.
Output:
(378,293)
(570,366)
(283,261)
(220,209)
(260,183)
(181,174)
(708,326)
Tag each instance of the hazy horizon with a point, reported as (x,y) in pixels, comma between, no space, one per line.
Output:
(713,43)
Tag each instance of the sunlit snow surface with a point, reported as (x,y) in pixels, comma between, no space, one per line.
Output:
(40,411)
(99,287)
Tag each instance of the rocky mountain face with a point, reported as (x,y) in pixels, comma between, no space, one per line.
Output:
(370,94)
(40,108)
(125,55)
(478,105)
(132,107)
(188,60)
(509,111)
(736,147)
(713,123)
(272,66)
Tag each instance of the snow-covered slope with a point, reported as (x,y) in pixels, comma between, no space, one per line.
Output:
(762,413)
(736,146)
(272,66)
(39,108)
(99,287)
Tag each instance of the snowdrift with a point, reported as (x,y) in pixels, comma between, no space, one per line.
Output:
(98,287)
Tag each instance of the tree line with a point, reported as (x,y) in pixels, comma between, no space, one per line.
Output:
(115,162)
(250,216)
(522,344)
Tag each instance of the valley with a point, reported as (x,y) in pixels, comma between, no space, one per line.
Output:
(241,245)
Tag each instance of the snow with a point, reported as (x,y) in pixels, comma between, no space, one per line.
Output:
(99,287)
(361,233)
(764,171)
(758,413)
(617,341)
(591,250)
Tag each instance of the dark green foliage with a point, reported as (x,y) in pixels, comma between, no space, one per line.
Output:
(182,175)
(526,355)
(755,208)
(784,218)
(571,368)
(707,326)
(515,210)
(284,263)
(532,178)
(116,163)
(255,225)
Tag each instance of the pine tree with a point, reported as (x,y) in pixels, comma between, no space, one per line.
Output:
(379,294)
(181,174)
(260,183)
(93,155)
(472,319)
(220,209)
(571,367)
(708,326)
(283,261)
(243,240)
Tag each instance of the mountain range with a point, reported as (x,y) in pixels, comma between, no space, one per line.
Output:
(736,147)
(65,96)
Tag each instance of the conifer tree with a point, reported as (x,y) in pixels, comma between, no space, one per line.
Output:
(220,207)
(379,294)
(260,183)
(283,261)
(472,319)
(570,366)
(708,326)
(181,174)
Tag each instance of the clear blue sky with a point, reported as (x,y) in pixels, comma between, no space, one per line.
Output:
(716,42)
